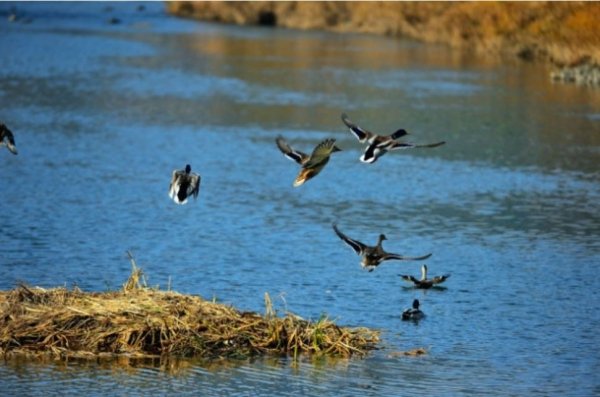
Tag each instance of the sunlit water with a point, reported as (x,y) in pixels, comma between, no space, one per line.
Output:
(510,206)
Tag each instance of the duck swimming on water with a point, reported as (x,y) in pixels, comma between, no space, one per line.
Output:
(372,256)
(378,145)
(7,138)
(311,165)
(184,183)
(424,282)
(413,314)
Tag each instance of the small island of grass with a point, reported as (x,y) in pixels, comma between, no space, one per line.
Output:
(138,321)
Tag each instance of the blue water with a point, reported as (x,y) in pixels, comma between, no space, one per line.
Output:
(510,206)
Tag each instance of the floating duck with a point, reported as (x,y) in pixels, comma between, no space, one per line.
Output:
(413,314)
(371,257)
(184,183)
(311,165)
(425,283)
(7,138)
(378,145)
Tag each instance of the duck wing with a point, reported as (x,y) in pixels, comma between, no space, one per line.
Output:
(294,155)
(356,245)
(405,145)
(194,184)
(440,279)
(409,278)
(320,154)
(361,134)
(389,256)
(175,182)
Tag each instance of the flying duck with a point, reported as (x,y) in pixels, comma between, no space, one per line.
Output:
(184,183)
(7,138)
(413,314)
(311,165)
(378,145)
(425,283)
(371,257)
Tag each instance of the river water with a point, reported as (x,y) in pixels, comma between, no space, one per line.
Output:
(103,112)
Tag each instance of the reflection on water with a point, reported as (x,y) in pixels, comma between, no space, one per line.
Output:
(509,206)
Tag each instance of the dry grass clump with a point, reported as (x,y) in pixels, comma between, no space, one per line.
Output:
(143,322)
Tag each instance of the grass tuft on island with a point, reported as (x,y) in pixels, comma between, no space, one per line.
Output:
(143,322)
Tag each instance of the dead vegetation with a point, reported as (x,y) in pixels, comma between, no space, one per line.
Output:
(138,321)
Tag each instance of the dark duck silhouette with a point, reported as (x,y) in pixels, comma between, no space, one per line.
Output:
(184,183)
(7,138)
(414,313)
(373,256)
(378,145)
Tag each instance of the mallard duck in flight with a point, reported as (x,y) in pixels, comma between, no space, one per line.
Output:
(372,256)
(184,183)
(424,282)
(414,313)
(311,165)
(7,138)
(378,145)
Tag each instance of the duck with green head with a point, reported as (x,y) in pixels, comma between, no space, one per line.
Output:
(378,145)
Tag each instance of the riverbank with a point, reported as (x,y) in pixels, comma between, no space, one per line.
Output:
(564,34)
(142,322)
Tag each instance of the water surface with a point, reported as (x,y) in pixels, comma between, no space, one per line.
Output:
(102,114)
